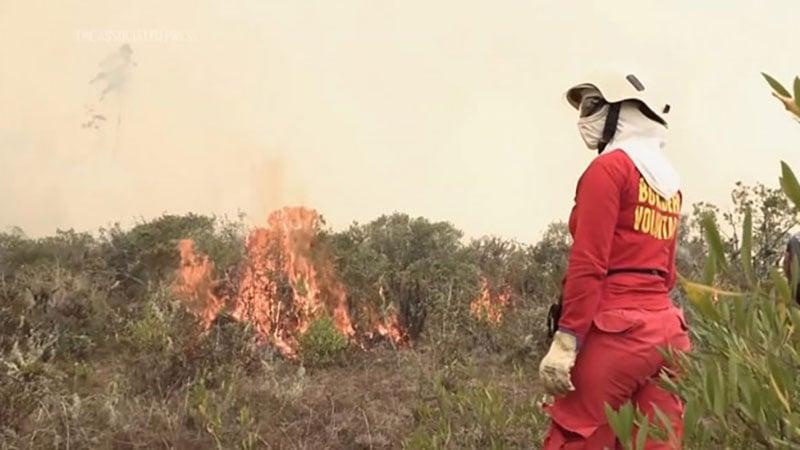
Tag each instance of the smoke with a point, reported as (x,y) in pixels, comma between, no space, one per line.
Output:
(274,186)
(114,71)
(372,108)
(111,78)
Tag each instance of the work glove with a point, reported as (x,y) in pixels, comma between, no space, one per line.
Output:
(554,371)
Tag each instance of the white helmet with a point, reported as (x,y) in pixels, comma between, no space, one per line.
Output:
(616,87)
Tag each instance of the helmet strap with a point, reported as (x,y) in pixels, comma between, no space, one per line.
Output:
(610,127)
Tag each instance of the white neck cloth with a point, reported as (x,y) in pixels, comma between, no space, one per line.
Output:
(643,140)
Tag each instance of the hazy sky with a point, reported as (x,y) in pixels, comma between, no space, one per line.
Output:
(450,110)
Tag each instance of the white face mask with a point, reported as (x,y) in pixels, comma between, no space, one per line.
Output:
(591,127)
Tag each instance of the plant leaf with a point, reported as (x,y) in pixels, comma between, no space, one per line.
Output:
(747,247)
(703,297)
(720,401)
(641,435)
(666,425)
(621,422)
(795,272)
(693,288)
(781,286)
(789,184)
(710,269)
(797,91)
(779,393)
(691,417)
(776,85)
(733,379)
(714,239)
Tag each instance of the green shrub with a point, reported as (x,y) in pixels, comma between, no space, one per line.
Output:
(322,344)
(404,263)
(151,333)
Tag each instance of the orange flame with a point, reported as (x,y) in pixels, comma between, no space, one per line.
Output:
(194,282)
(284,249)
(284,285)
(490,306)
(391,329)
(389,326)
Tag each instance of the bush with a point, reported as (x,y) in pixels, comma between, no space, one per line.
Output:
(322,344)
(401,263)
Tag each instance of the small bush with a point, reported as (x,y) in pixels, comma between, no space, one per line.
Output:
(322,344)
(150,333)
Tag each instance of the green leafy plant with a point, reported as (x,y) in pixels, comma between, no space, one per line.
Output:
(633,428)
(322,344)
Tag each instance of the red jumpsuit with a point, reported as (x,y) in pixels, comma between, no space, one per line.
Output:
(622,318)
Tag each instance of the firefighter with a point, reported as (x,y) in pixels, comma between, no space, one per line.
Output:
(616,317)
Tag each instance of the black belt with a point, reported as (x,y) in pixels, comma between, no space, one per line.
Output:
(655,272)
(554,314)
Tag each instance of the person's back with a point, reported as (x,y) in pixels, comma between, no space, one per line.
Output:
(641,269)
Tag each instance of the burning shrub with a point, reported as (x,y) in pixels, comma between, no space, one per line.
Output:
(322,344)
(396,274)
(490,306)
(285,283)
(476,313)
(195,284)
(146,253)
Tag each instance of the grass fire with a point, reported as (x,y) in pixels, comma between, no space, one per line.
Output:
(281,286)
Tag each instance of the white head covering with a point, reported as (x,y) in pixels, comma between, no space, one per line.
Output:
(643,140)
